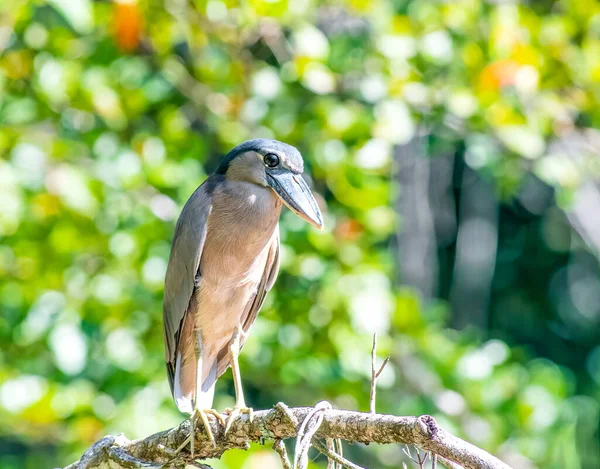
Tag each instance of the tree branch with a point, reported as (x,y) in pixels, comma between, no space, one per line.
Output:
(281,422)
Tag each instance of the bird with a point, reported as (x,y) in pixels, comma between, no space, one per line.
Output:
(224,259)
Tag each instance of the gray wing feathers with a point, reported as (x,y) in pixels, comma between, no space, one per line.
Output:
(186,249)
(274,268)
(267,281)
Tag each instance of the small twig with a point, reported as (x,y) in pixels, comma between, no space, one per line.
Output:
(281,450)
(375,374)
(433,460)
(309,427)
(420,460)
(331,464)
(339,450)
(336,457)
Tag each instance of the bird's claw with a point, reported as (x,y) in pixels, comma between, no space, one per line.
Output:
(203,416)
(222,420)
(206,423)
(233,414)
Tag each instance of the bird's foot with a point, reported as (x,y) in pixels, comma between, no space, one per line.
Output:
(222,420)
(237,411)
(203,414)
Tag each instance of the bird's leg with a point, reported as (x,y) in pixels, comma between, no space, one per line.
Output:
(192,436)
(197,411)
(240,403)
(202,413)
(234,350)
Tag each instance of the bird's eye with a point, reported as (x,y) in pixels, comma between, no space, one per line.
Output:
(271,160)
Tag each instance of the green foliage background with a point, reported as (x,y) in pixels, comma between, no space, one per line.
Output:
(111,114)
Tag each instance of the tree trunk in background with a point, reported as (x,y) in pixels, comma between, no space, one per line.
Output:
(417,248)
(476,248)
(428,221)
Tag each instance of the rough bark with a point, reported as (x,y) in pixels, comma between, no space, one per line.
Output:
(158,450)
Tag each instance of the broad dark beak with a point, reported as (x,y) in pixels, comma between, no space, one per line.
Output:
(295,193)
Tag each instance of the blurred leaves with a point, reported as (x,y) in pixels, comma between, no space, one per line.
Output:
(112,113)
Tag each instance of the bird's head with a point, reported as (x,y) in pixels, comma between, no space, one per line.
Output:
(274,164)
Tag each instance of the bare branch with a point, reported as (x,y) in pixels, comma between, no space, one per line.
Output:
(279,423)
(375,374)
(332,455)
(331,464)
(418,459)
(280,449)
(339,449)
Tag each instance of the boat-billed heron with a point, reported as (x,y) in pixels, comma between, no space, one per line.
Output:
(224,259)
